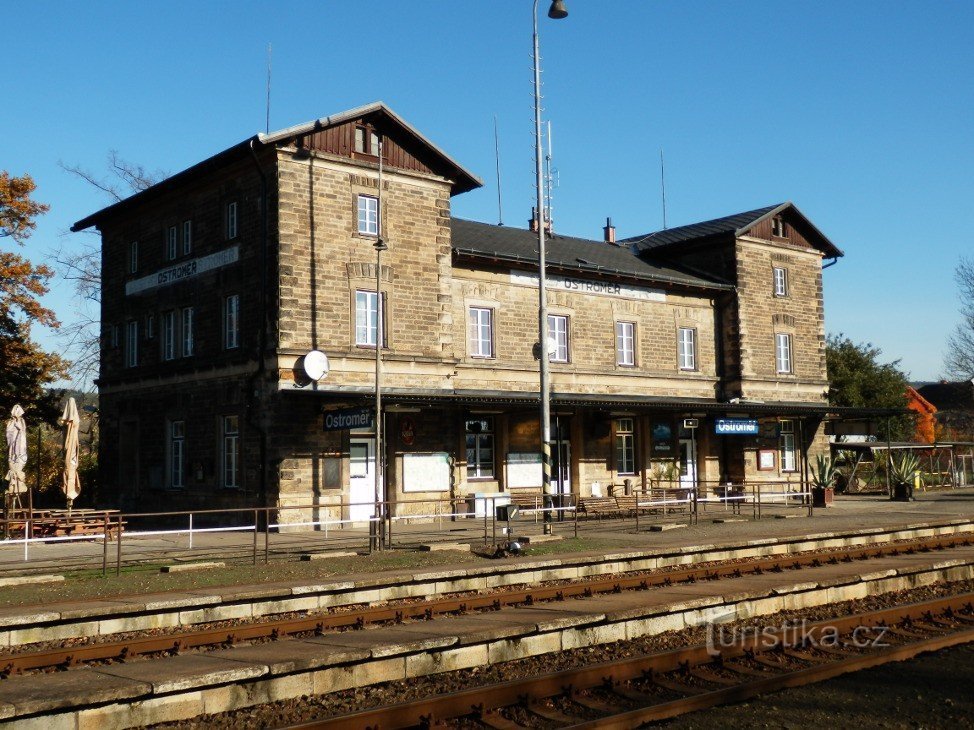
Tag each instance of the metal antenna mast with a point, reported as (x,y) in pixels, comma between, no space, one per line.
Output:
(662,182)
(497,162)
(267,120)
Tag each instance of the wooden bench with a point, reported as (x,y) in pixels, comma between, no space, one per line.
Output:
(599,507)
(527,500)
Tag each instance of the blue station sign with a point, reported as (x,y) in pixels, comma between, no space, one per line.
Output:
(346,418)
(736,427)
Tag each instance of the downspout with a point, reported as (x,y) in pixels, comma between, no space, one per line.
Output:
(833,260)
(256,390)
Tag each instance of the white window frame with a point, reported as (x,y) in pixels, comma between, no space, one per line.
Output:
(366,316)
(171,243)
(686,346)
(132,343)
(480,447)
(780,275)
(169,335)
(231,451)
(360,138)
(368,215)
(783,355)
(626,344)
(786,430)
(187,334)
(187,237)
(625,446)
(232,220)
(133,257)
(231,322)
(558,325)
(150,326)
(177,454)
(779,228)
(480,326)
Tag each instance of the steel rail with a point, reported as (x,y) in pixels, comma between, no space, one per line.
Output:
(428,609)
(483,703)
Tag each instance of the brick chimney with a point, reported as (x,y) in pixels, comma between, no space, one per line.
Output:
(609,231)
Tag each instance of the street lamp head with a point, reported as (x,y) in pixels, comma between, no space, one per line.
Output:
(557,10)
(380,245)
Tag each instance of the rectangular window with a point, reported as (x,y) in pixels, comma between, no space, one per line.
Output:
(779,228)
(171,243)
(132,344)
(625,343)
(687,348)
(169,335)
(368,215)
(787,431)
(625,446)
(375,145)
(558,338)
(481,325)
(366,319)
(360,139)
(231,451)
(133,257)
(177,455)
(232,220)
(480,448)
(187,237)
(187,331)
(150,326)
(782,353)
(231,322)
(780,282)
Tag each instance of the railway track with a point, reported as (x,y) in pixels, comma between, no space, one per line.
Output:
(634,691)
(359,617)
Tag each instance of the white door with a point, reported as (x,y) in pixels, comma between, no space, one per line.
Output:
(361,483)
(688,463)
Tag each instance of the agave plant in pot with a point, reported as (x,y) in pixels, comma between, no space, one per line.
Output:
(823,481)
(903,474)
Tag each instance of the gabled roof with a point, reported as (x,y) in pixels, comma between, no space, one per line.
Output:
(949,396)
(915,399)
(463,179)
(520,246)
(737,225)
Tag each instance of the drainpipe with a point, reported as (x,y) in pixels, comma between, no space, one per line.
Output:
(257,380)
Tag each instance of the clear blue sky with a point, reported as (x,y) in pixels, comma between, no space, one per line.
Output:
(860,112)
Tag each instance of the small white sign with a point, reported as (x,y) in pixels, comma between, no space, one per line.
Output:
(183,270)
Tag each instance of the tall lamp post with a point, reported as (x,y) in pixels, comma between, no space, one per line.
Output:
(377,525)
(557,11)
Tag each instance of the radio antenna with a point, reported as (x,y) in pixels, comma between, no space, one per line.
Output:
(662,183)
(497,163)
(267,119)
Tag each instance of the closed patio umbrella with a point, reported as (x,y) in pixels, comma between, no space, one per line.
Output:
(71,484)
(16,452)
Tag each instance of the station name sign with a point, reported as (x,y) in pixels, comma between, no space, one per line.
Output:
(182,271)
(346,418)
(584,286)
(736,427)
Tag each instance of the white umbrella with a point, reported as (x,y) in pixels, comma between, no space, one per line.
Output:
(16,451)
(71,484)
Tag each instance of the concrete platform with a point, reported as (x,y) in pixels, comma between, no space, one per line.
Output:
(174,688)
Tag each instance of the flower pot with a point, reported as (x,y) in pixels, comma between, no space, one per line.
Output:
(823,496)
(903,491)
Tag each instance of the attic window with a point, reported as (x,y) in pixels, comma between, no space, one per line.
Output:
(779,228)
(366,141)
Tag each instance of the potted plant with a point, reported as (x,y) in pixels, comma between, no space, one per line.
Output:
(903,474)
(823,481)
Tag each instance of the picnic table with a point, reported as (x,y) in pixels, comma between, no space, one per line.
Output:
(63,523)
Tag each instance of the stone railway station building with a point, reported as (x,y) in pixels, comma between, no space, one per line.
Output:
(219,280)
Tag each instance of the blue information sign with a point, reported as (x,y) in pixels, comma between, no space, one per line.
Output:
(346,418)
(736,427)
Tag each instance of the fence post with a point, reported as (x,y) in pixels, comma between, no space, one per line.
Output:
(190,530)
(255,537)
(27,533)
(485,516)
(267,535)
(757,488)
(389,527)
(104,550)
(118,547)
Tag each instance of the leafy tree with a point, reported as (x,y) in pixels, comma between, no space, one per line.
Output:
(858,379)
(24,367)
(82,265)
(959,360)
